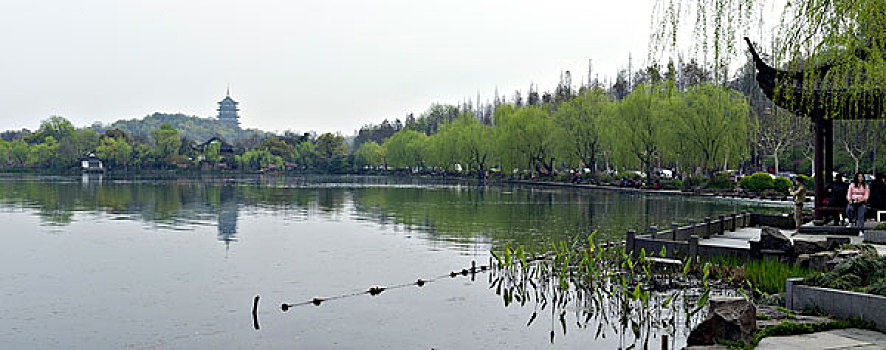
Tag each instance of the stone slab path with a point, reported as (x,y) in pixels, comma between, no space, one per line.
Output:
(740,238)
(853,338)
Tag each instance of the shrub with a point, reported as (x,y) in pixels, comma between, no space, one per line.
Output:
(782,185)
(758,182)
(720,181)
(863,273)
(808,181)
(694,181)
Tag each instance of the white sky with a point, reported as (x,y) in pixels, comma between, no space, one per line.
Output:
(299,65)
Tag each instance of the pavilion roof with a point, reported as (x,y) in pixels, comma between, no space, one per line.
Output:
(791,90)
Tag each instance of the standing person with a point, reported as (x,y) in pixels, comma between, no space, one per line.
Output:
(878,192)
(858,195)
(837,196)
(799,197)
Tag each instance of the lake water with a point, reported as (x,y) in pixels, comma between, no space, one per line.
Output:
(90,263)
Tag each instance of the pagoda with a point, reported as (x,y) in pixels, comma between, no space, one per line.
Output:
(227,111)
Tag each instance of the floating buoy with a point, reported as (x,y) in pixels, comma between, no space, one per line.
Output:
(420,282)
(376,290)
(317,301)
(285,307)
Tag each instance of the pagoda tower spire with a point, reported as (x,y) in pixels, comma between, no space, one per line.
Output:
(227,110)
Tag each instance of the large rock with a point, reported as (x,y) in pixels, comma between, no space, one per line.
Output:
(809,247)
(835,243)
(729,318)
(803,260)
(772,239)
(818,262)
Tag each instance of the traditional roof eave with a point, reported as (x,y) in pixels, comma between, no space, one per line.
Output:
(787,90)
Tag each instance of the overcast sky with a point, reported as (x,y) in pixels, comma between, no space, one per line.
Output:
(298,65)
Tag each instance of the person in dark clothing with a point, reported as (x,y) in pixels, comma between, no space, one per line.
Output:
(837,196)
(878,193)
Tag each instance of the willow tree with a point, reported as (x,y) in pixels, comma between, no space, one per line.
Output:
(525,138)
(406,149)
(578,124)
(713,122)
(639,126)
(370,154)
(832,54)
(464,141)
(840,42)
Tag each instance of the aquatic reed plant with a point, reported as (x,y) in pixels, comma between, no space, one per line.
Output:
(765,276)
(605,289)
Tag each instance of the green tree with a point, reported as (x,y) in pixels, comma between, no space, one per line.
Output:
(43,154)
(713,123)
(56,126)
(259,159)
(212,152)
(578,124)
(331,145)
(370,154)
(406,149)
(143,154)
(4,153)
(115,152)
(640,126)
(525,138)
(17,152)
(167,143)
(306,153)
(279,148)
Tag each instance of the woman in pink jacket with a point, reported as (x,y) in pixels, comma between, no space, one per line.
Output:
(857,196)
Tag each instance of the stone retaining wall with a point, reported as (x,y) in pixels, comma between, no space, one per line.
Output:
(839,303)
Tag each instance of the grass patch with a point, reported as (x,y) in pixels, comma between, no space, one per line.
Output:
(785,311)
(766,276)
(791,328)
(769,275)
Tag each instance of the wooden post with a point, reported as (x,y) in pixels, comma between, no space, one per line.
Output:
(255,312)
(674,229)
(819,167)
(734,216)
(664,342)
(693,248)
(828,151)
(722,226)
(629,241)
(707,227)
(652,231)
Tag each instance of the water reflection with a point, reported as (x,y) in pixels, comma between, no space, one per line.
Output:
(227,216)
(456,215)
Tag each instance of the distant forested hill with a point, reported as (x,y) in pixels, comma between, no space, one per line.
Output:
(191,127)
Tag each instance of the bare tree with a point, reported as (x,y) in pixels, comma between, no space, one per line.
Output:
(777,130)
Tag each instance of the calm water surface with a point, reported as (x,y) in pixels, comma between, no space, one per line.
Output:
(176,263)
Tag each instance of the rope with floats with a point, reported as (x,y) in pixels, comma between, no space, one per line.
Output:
(376,290)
